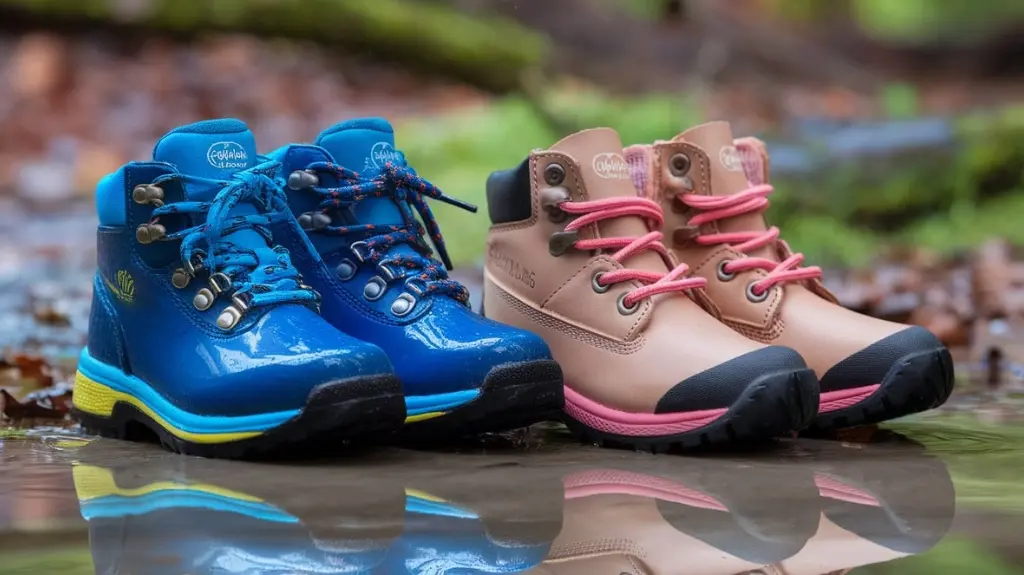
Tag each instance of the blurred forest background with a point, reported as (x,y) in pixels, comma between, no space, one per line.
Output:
(896,129)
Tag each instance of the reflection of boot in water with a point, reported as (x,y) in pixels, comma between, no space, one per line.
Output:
(172,515)
(716,520)
(879,503)
(491,520)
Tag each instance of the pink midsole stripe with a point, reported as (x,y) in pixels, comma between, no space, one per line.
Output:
(603,418)
(833,489)
(615,482)
(833,400)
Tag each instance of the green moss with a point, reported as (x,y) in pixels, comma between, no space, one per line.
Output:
(489,52)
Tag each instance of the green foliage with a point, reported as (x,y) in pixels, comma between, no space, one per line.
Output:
(953,555)
(66,561)
(489,52)
(899,100)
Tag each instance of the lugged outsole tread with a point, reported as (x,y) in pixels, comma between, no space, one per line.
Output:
(348,409)
(512,396)
(753,417)
(919,382)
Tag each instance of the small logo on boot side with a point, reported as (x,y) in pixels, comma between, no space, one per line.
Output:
(611,166)
(513,268)
(380,154)
(731,159)
(123,287)
(228,156)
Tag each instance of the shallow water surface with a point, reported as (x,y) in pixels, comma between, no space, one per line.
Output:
(931,497)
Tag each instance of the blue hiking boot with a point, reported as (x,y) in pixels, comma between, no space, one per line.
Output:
(462,374)
(254,371)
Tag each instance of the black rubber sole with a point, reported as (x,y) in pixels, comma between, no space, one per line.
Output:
(513,395)
(772,406)
(918,382)
(346,409)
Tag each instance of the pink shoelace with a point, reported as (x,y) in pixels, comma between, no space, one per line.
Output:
(754,199)
(597,210)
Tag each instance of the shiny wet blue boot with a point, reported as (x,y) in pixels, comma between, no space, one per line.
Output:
(357,201)
(202,331)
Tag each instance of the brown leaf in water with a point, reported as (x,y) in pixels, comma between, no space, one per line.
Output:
(12,409)
(34,368)
(48,315)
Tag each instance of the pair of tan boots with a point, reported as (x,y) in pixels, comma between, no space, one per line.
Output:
(722,335)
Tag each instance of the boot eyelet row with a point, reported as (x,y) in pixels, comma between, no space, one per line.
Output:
(755,297)
(149,233)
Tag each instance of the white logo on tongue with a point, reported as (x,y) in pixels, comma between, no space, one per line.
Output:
(381,153)
(228,155)
(611,166)
(731,159)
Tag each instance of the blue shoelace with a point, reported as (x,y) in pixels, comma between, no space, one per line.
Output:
(421,273)
(206,246)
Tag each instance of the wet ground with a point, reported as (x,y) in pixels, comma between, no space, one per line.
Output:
(925,498)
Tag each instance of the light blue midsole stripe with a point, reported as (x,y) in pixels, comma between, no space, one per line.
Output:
(112,506)
(415,504)
(418,404)
(117,380)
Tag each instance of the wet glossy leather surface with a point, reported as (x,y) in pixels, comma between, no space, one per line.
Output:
(269,362)
(441,346)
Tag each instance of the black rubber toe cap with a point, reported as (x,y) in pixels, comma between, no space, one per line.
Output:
(870,365)
(723,384)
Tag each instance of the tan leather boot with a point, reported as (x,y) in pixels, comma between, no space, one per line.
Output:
(572,257)
(714,191)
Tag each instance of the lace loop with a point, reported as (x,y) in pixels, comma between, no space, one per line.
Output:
(751,200)
(409,192)
(595,211)
(234,266)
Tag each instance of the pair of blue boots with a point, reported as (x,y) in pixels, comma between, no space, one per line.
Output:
(246,303)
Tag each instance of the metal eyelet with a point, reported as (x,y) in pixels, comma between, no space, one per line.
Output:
(149,233)
(595,282)
(561,242)
(679,164)
(550,200)
(219,283)
(204,299)
(754,297)
(554,174)
(232,314)
(180,278)
(722,274)
(312,221)
(623,308)
(346,270)
(302,179)
(403,305)
(375,288)
(148,194)
(360,250)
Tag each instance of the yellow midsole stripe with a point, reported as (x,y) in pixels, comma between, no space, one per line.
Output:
(423,416)
(97,399)
(409,492)
(92,482)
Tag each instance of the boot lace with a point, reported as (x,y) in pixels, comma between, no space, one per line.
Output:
(754,199)
(421,273)
(232,266)
(594,211)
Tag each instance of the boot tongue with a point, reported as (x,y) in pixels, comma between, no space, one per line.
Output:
(364,145)
(213,149)
(605,174)
(727,176)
